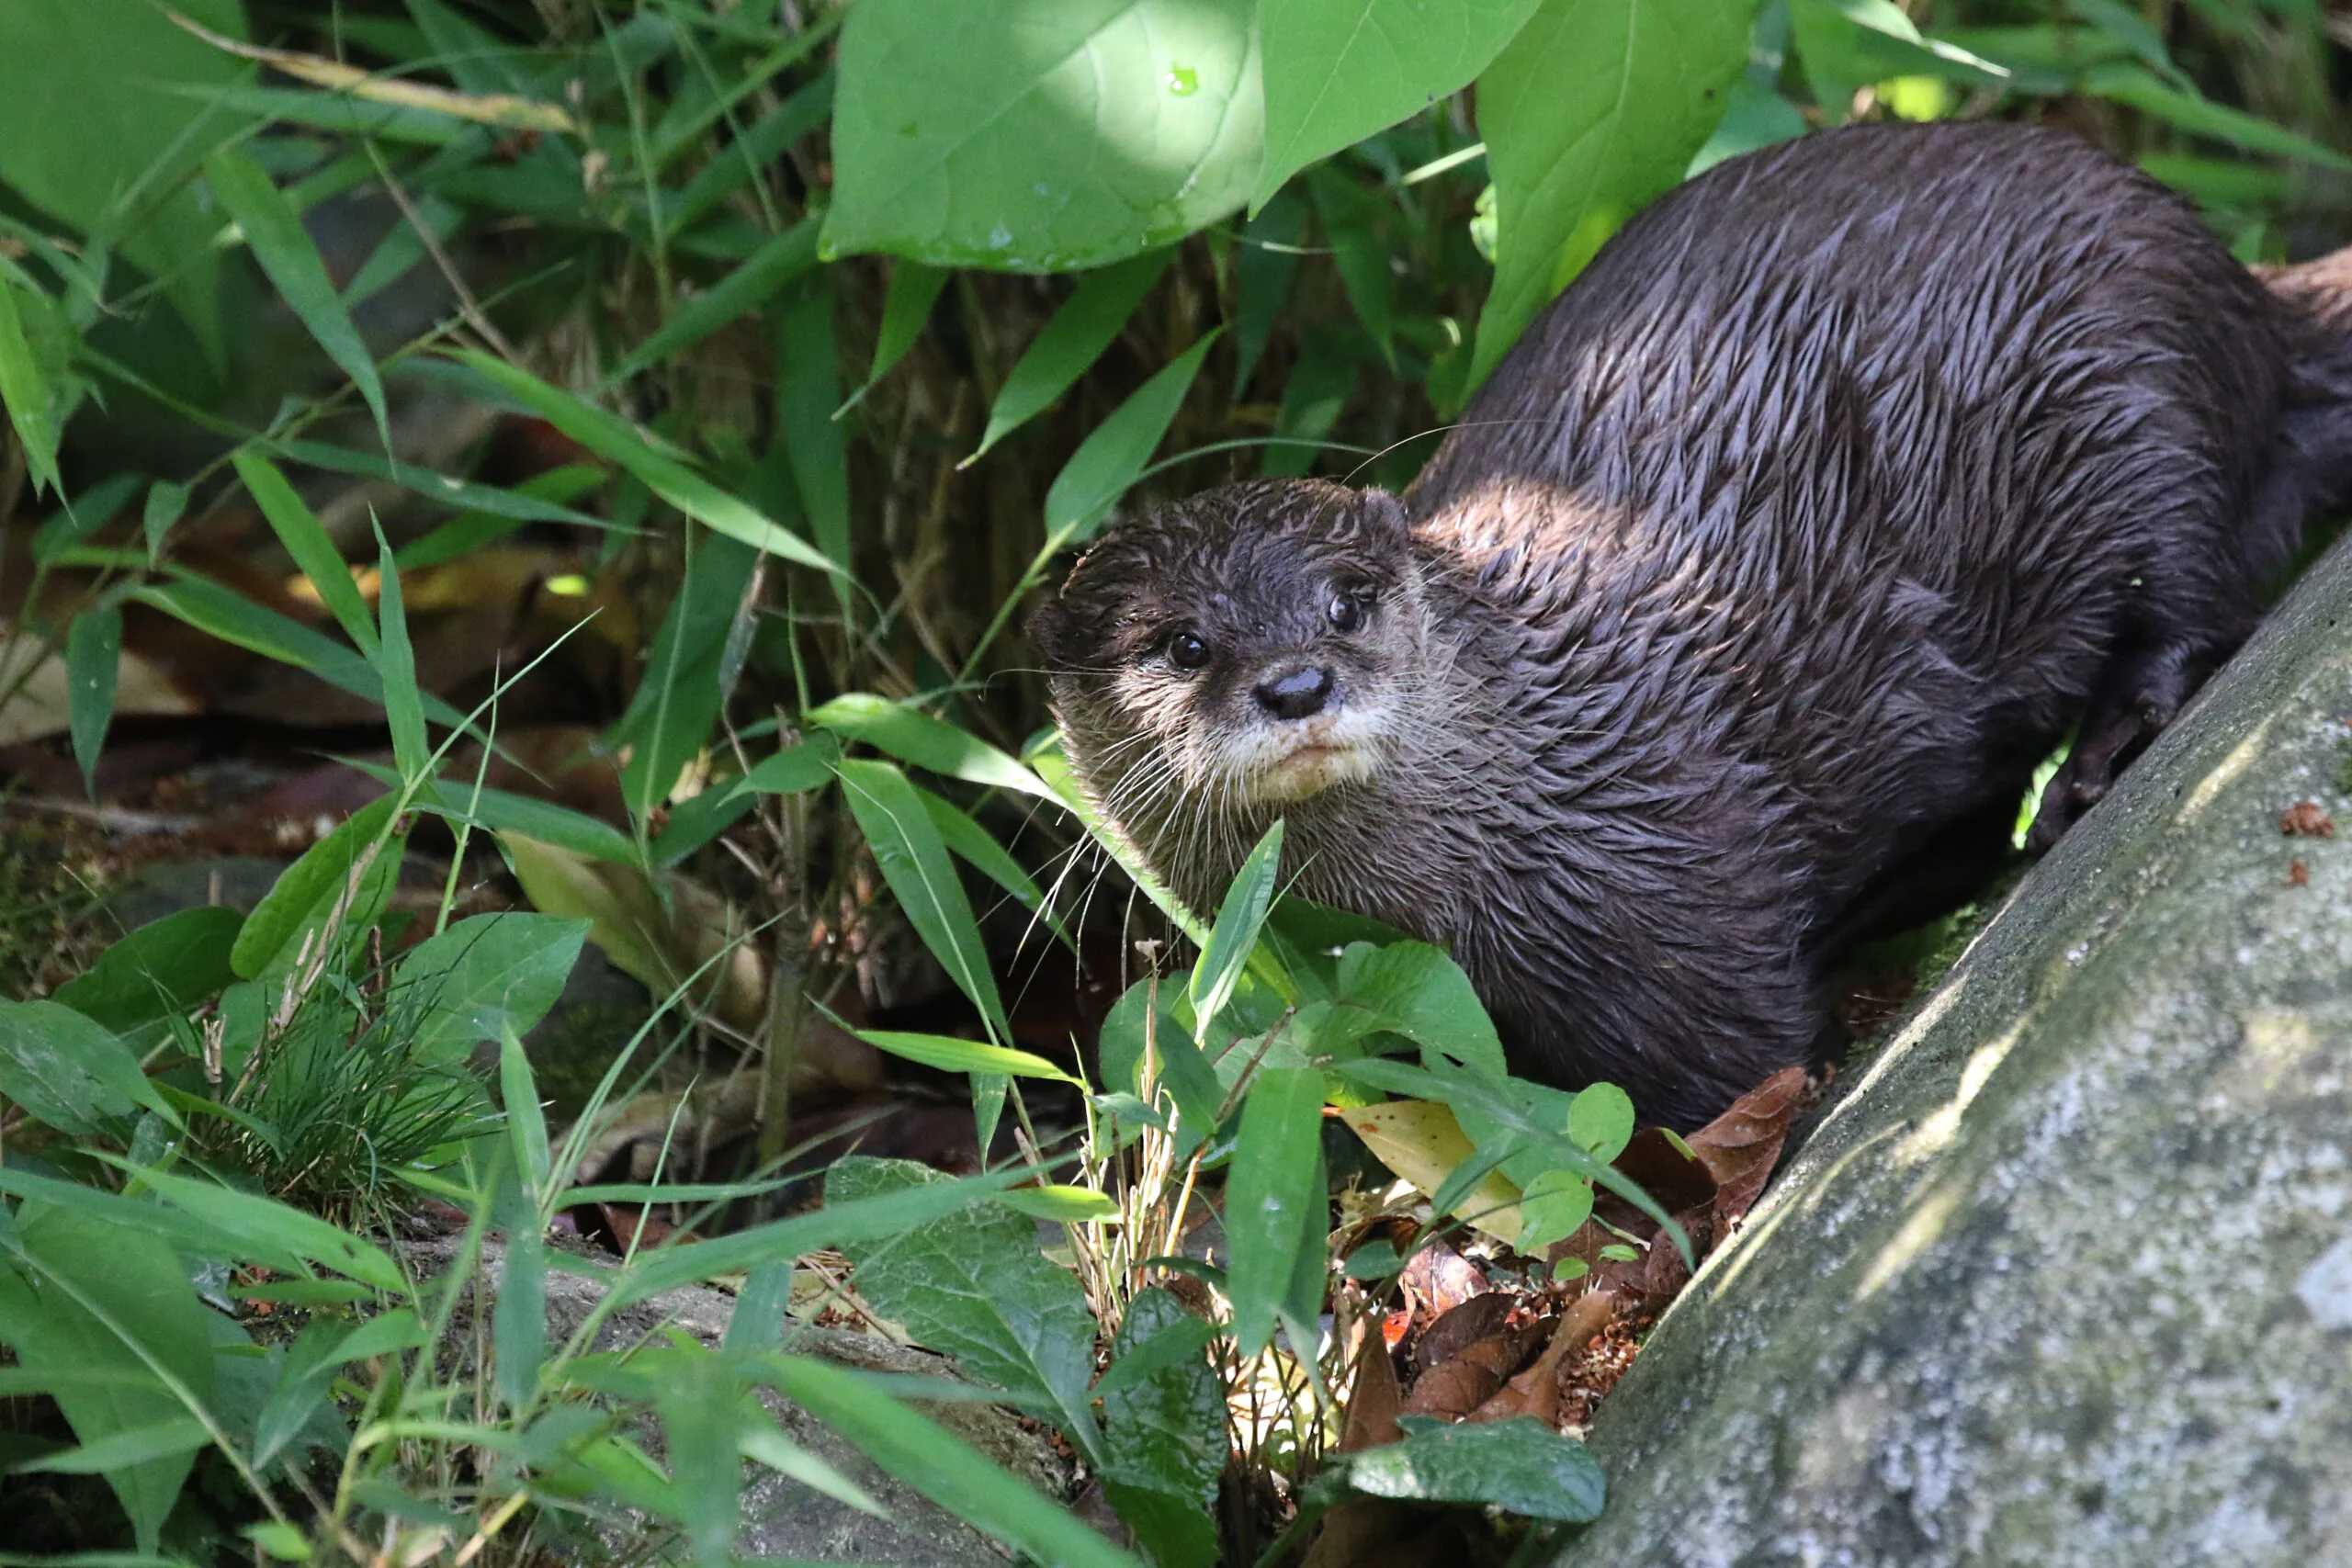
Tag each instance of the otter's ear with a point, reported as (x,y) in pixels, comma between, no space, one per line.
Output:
(1383,516)
(1058,635)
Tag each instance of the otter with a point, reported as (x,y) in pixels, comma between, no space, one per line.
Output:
(1728,627)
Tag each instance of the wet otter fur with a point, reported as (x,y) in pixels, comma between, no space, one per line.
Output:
(1730,624)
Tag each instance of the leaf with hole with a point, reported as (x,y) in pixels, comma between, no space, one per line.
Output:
(955,123)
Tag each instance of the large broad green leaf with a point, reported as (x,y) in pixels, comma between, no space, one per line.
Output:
(69,1072)
(111,1298)
(954,127)
(87,135)
(1163,1429)
(485,973)
(1595,107)
(1520,1465)
(975,1286)
(1339,70)
(165,966)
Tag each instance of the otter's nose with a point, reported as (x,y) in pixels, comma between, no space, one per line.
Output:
(1295,694)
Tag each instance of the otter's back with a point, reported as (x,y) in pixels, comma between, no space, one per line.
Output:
(1888,435)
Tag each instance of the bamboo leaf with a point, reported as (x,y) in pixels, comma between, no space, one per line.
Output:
(274,232)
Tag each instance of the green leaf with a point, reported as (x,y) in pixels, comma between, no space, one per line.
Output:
(235,619)
(974,1286)
(111,1297)
(165,1439)
(2134,87)
(972,844)
(1070,343)
(395,663)
(1594,108)
(1163,1429)
(1235,936)
(678,701)
(953,1055)
(1339,70)
(941,1467)
(1420,992)
(955,125)
(92,141)
(165,968)
(1262,267)
(274,232)
(502,812)
(485,973)
(912,736)
(166,500)
(914,863)
(69,1072)
(664,474)
(839,1224)
(740,161)
(518,1318)
(92,655)
(807,389)
(1273,1210)
(760,277)
(1114,452)
(1351,217)
(1601,1119)
(30,402)
(795,770)
(1520,1465)
(266,1223)
(307,888)
(906,310)
(700,1403)
(305,538)
(1063,1205)
(1551,1209)
(279,1540)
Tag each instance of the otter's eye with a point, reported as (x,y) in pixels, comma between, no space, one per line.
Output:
(1345,612)
(1186,651)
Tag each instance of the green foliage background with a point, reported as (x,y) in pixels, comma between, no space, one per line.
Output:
(855,318)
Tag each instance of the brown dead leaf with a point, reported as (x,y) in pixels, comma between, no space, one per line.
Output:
(1536,1391)
(2298,874)
(1475,1319)
(1439,1279)
(1740,1148)
(1373,1400)
(2305,819)
(1452,1388)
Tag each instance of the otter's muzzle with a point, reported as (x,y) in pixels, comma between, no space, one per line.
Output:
(1297,693)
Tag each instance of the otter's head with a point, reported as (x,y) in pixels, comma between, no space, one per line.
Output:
(1218,661)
